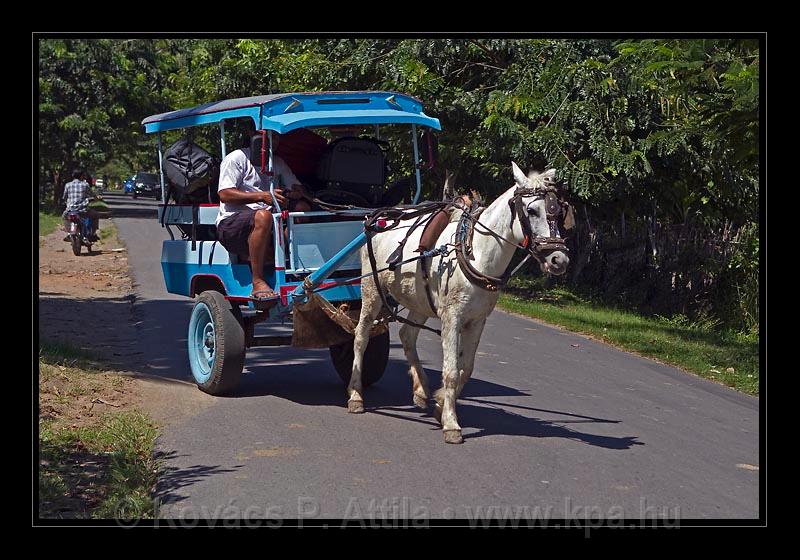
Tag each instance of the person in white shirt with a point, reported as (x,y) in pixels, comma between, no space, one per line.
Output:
(244,222)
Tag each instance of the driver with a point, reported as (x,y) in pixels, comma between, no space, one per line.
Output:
(244,222)
(76,197)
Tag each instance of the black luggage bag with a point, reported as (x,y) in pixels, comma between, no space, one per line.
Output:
(191,173)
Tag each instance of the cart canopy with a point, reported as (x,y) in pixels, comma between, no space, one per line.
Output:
(284,112)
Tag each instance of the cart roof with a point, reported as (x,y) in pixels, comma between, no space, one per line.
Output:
(284,112)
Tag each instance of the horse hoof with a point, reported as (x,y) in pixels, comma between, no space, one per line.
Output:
(453,436)
(437,413)
(355,407)
(420,402)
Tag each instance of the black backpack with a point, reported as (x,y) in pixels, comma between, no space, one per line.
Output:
(191,172)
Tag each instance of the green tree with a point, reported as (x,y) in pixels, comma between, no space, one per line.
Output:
(93,95)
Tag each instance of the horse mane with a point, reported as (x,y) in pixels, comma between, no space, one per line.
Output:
(469,196)
(536,179)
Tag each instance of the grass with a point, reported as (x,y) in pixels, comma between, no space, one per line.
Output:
(104,471)
(60,354)
(91,465)
(48,223)
(108,232)
(725,357)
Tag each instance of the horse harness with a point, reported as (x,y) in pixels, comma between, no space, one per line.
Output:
(431,213)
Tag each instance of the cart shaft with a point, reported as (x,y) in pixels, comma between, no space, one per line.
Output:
(322,273)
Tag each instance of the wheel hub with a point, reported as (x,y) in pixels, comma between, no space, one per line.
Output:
(208,343)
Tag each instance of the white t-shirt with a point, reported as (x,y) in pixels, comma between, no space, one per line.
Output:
(236,172)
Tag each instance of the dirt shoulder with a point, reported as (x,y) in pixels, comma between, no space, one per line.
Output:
(100,412)
(88,302)
(96,446)
(71,324)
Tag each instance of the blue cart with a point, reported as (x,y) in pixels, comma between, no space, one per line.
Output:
(317,268)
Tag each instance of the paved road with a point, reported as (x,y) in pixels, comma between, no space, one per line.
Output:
(554,424)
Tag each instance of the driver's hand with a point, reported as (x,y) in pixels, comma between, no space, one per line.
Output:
(278,196)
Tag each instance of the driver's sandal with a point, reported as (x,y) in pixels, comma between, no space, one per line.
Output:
(265,295)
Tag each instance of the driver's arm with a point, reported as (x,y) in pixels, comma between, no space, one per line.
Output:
(235,196)
(230,178)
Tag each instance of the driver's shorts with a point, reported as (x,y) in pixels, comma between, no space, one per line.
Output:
(234,231)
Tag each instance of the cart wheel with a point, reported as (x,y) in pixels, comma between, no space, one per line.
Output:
(76,245)
(376,356)
(216,343)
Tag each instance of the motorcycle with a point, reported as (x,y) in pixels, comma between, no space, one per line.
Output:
(81,232)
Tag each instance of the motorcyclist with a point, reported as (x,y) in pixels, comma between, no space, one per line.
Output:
(77,194)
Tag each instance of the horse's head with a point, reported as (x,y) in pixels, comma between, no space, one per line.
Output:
(541,215)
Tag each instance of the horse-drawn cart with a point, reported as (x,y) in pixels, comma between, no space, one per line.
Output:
(317,269)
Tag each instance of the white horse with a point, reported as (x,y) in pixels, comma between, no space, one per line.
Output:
(461,305)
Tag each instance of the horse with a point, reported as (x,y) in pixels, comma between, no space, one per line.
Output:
(455,293)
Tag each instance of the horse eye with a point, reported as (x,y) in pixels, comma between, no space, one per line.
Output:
(533,211)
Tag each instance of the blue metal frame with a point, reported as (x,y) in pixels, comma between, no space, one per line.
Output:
(161,169)
(285,113)
(322,273)
(198,120)
(180,266)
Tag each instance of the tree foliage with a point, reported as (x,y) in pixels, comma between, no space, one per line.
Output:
(642,132)
(92,97)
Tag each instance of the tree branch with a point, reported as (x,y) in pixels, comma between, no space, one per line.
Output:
(489,52)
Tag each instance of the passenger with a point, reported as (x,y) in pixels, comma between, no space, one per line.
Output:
(244,222)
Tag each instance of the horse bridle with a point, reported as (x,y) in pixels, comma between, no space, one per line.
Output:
(538,247)
(556,208)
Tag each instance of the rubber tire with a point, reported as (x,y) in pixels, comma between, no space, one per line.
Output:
(229,344)
(376,358)
(76,245)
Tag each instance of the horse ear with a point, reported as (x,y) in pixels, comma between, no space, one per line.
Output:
(550,174)
(519,176)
